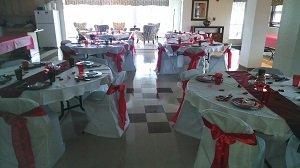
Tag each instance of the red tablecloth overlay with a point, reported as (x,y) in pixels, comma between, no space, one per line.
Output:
(279,104)
(16,89)
(10,43)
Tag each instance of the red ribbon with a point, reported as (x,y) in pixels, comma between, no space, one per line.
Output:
(175,47)
(161,50)
(175,116)
(223,141)
(229,54)
(121,102)
(21,137)
(117,58)
(194,59)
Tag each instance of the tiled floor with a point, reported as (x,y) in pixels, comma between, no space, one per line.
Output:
(150,140)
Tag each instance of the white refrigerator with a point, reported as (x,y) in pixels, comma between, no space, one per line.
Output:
(48,20)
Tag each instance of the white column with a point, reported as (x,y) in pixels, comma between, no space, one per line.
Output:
(287,56)
(256,22)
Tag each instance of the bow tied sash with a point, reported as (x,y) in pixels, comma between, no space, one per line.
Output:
(229,54)
(20,135)
(161,50)
(121,102)
(117,58)
(195,57)
(223,141)
(175,116)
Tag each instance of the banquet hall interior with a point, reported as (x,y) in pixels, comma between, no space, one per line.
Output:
(149,83)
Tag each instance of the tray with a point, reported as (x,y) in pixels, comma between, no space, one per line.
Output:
(247,103)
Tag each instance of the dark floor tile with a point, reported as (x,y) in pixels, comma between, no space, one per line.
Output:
(154,109)
(133,90)
(170,115)
(137,117)
(150,96)
(164,90)
(158,127)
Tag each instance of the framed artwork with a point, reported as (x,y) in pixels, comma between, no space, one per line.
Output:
(199,9)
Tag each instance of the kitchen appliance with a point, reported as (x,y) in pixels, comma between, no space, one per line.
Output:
(48,20)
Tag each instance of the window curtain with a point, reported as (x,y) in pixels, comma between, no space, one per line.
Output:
(277,2)
(119,2)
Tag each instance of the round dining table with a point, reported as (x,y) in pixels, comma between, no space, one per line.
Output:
(65,86)
(203,96)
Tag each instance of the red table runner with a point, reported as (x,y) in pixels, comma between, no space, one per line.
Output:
(279,104)
(16,89)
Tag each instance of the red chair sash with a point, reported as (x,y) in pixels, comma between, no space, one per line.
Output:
(195,57)
(161,50)
(229,54)
(20,135)
(175,116)
(132,47)
(175,47)
(223,141)
(117,58)
(121,102)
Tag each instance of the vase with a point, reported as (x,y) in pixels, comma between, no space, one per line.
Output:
(206,23)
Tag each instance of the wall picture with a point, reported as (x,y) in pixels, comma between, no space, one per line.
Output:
(199,9)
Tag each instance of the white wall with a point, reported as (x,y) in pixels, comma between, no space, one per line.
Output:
(221,10)
(254,32)
(287,56)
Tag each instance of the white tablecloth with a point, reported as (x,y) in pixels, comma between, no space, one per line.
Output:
(202,96)
(67,88)
(95,49)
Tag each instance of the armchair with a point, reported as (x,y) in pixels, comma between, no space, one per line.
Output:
(149,33)
(101,28)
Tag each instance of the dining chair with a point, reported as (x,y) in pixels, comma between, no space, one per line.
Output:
(80,27)
(217,60)
(272,71)
(187,120)
(292,156)
(68,52)
(166,62)
(192,58)
(30,137)
(227,141)
(106,111)
(128,64)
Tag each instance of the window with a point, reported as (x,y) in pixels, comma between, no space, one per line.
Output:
(275,16)
(237,20)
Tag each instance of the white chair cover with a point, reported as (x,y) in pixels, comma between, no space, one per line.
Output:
(110,60)
(128,59)
(45,135)
(240,154)
(168,62)
(292,155)
(102,112)
(187,59)
(189,121)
